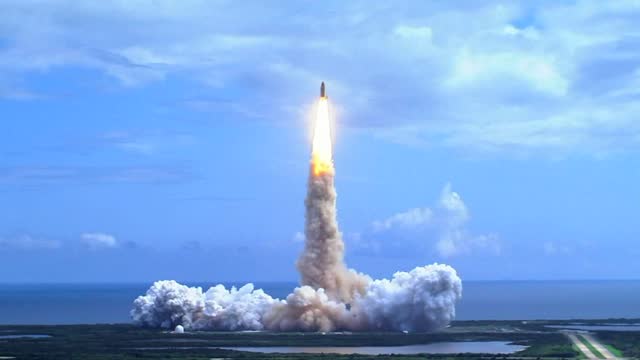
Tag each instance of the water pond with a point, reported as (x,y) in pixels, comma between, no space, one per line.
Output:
(25,336)
(617,327)
(454,347)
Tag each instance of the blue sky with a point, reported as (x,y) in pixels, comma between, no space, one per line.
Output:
(142,140)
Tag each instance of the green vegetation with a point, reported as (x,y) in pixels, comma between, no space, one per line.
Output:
(577,350)
(591,347)
(627,342)
(557,346)
(614,351)
(123,341)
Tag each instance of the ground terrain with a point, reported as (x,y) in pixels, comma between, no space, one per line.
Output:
(124,341)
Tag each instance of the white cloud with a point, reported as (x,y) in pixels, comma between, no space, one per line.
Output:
(454,242)
(443,227)
(95,241)
(408,219)
(26,242)
(454,238)
(528,33)
(539,72)
(546,78)
(452,203)
(422,33)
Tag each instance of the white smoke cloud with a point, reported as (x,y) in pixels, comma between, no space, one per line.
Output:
(422,299)
(168,304)
(308,309)
(96,241)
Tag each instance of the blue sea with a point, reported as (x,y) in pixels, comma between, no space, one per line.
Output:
(482,300)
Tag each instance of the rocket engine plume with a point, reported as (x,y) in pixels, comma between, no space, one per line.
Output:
(322,148)
(321,264)
(331,296)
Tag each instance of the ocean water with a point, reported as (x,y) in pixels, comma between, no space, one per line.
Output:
(482,300)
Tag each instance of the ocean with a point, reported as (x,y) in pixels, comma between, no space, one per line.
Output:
(482,300)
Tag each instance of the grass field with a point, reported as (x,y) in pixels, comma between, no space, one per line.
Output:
(614,351)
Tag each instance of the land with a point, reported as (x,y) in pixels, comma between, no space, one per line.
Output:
(125,341)
(583,345)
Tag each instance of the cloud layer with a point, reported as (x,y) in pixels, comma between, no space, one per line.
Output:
(561,77)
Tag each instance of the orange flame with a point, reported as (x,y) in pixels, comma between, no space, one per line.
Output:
(321,153)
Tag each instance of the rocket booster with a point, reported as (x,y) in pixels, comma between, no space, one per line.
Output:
(322,91)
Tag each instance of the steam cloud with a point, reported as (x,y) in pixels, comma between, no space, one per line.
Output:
(420,300)
(331,296)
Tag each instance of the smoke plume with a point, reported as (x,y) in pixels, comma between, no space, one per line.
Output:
(321,265)
(331,296)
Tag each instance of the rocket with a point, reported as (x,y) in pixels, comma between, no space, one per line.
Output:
(322,92)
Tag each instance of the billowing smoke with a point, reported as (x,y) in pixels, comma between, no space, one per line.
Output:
(321,264)
(309,309)
(420,300)
(168,304)
(331,296)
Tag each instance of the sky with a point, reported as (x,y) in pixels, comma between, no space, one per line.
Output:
(145,140)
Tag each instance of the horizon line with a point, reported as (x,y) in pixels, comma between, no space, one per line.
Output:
(241,282)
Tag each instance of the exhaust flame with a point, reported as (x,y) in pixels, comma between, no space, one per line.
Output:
(321,153)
